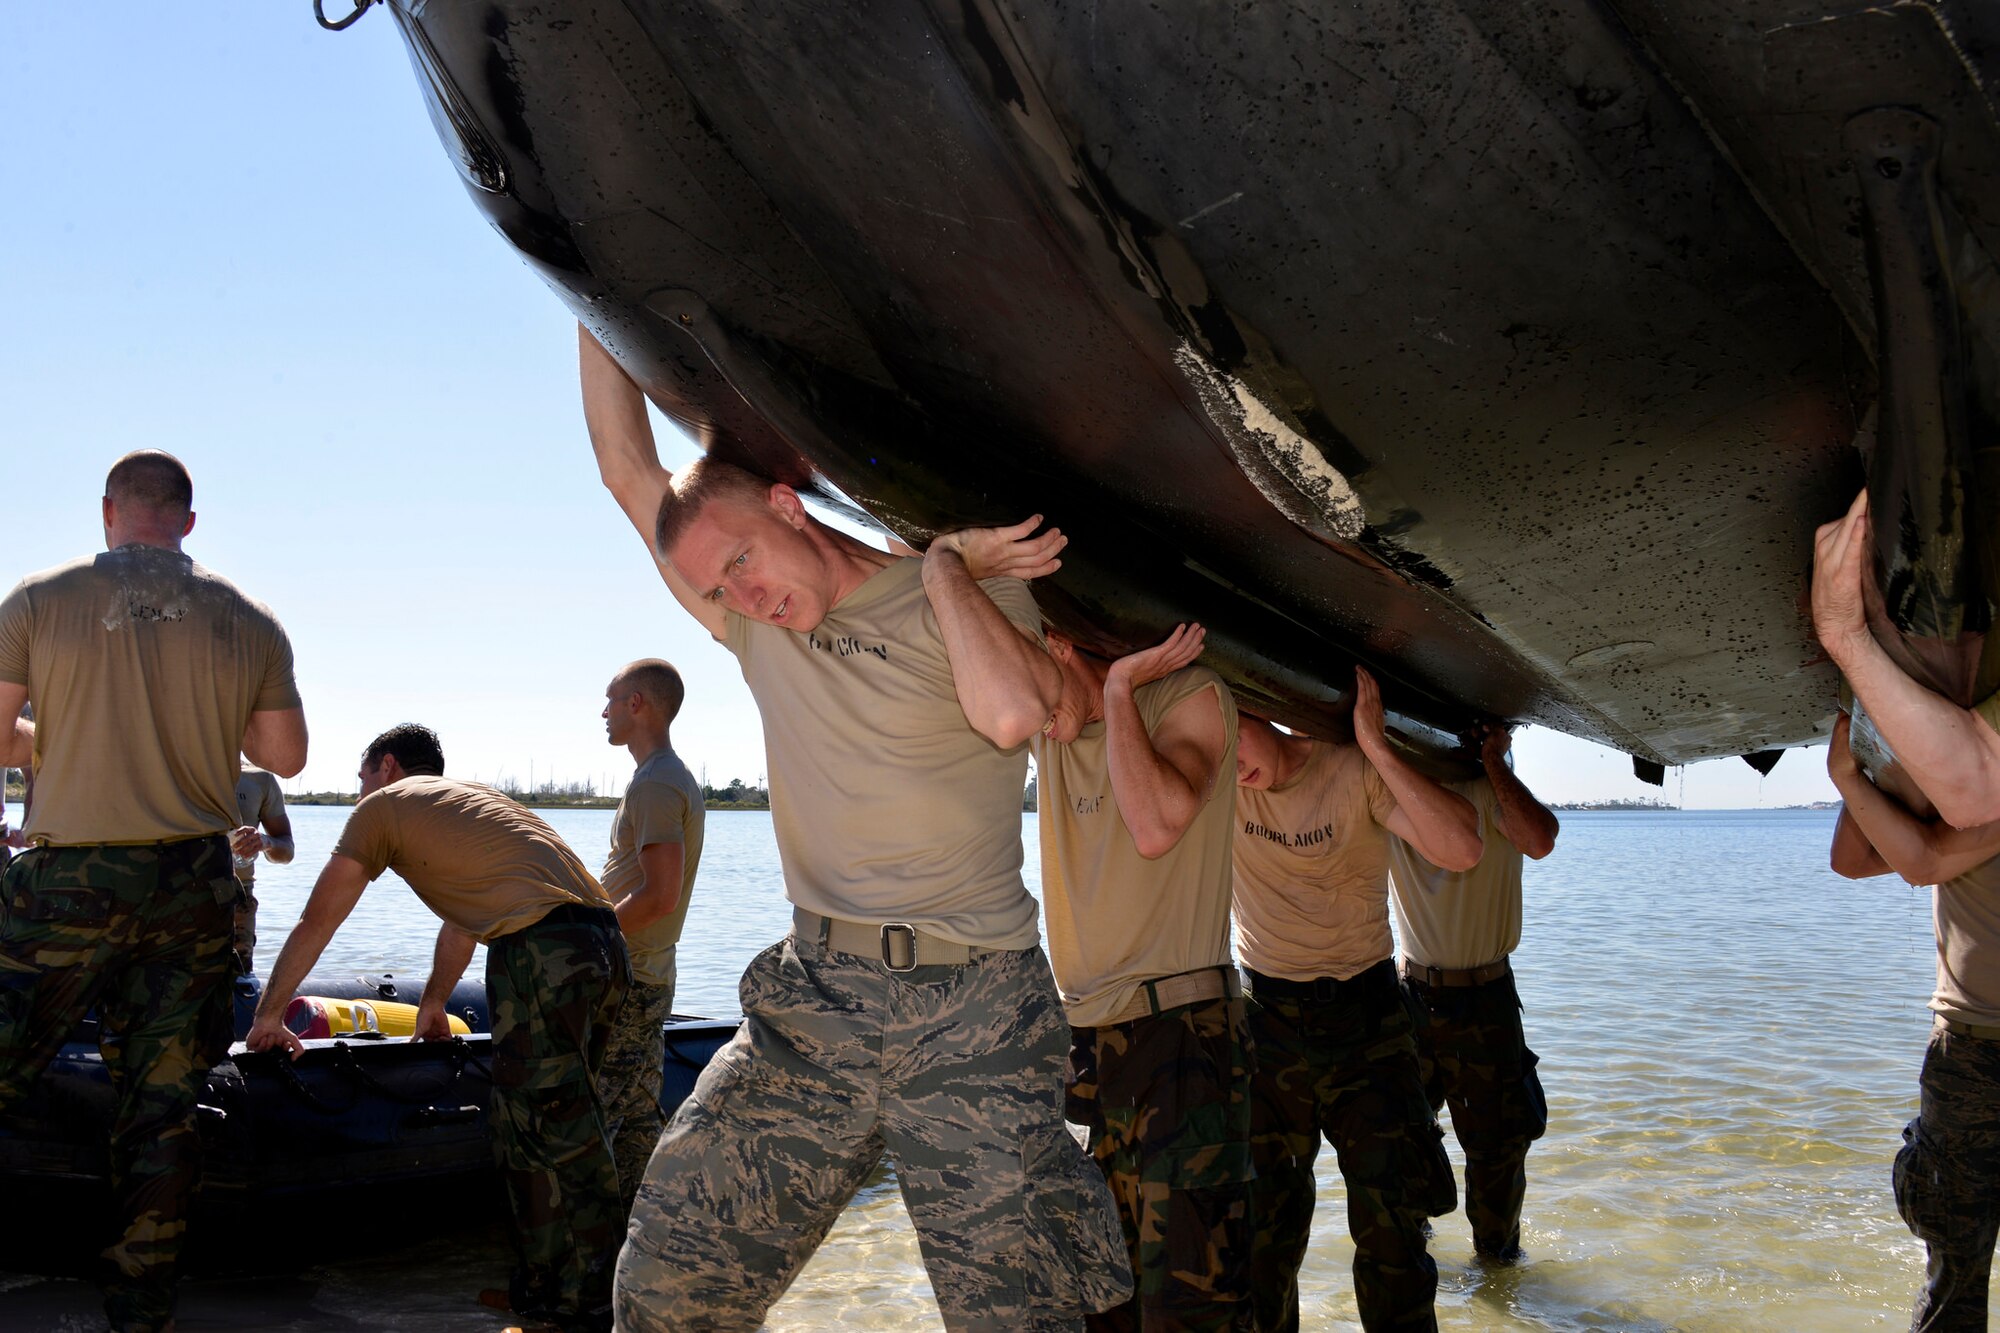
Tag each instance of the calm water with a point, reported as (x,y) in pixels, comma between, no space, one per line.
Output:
(1730,1037)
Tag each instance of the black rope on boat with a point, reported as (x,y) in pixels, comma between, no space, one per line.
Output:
(319,12)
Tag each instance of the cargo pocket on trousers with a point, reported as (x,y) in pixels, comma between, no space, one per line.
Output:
(1922,1181)
(1437,1186)
(1075,1244)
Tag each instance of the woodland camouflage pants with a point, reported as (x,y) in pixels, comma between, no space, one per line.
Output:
(142,933)
(1947,1179)
(555,989)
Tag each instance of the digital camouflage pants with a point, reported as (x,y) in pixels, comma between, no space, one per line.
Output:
(142,933)
(1167,1102)
(1475,1058)
(555,989)
(1947,1179)
(954,1071)
(628,1083)
(1345,1066)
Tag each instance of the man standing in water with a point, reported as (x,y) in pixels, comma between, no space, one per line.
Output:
(910,1010)
(1334,1050)
(1947,1176)
(263,828)
(556,973)
(1136,818)
(1951,753)
(1458,926)
(149,675)
(655,847)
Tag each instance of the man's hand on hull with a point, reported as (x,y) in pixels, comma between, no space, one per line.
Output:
(1177,650)
(268,1032)
(1840,563)
(432,1024)
(1840,762)
(1016,551)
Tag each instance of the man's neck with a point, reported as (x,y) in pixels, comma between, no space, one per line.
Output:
(1095,669)
(854,562)
(645,745)
(1293,751)
(115,540)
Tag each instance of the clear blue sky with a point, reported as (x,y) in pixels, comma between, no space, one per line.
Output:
(235,237)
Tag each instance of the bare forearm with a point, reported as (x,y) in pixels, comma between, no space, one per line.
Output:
(1950,753)
(1005,683)
(19,751)
(1524,821)
(1896,835)
(448,963)
(1154,799)
(302,949)
(279,849)
(1444,824)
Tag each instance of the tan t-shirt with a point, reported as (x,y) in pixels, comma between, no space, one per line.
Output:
(1117,919)
(1966,913)
(258,797)
(143,668)
(1312,869)
(887,805)
(662,805)
(483,862)
(1460,919)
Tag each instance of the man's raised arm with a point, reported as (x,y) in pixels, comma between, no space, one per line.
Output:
(1162,780)
(1948,751)
(334,894)
(1440,824)
(628,463)
(1921,851)
(1524,821)
(275,739)
(1006,683)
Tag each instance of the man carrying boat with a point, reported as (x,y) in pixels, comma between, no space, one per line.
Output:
(556,973)
(1951,753)
(1947,1175)
(149,676)
(1458,926)
(910,1010)
(263,829)
(655,847)
(1136,819)
(1315,822)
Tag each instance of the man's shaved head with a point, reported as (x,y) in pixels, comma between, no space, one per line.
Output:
(657,681)
(698,485)
(151,479)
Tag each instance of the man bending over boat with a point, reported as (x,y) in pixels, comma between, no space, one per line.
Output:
(1458,927)
(1952,753)
(1335,1055)
(149,676)
(556,973)
(655,847)
(1137,813)
(1947,1176)
(910,1011)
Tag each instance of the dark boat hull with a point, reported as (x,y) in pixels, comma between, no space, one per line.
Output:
(1514,353)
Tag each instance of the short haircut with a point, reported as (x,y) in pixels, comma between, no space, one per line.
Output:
(416,748)
(658,681)
(152,479)
(697,486)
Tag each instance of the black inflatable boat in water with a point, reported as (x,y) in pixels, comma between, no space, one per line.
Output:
(362,1125)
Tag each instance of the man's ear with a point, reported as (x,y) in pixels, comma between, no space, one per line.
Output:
(786,501)
(190,524)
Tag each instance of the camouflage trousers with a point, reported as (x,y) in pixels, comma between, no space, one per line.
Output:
(1475,1058)
(244,939)
(142,934)
(628,1083)
(1167,1102)
(1947,1179)
(555,989)
(1341,1062)
(954,1071)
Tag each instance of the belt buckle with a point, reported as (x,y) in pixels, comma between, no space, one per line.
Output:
(890,929)
(1434,977)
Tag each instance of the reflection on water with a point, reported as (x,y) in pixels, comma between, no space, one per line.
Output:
(1730,1038)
